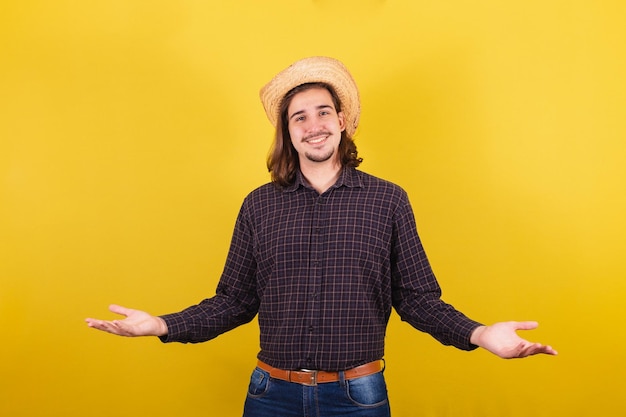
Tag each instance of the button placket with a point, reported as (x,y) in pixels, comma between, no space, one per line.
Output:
(316,270)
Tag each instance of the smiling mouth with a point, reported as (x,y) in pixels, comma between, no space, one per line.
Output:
(316,138)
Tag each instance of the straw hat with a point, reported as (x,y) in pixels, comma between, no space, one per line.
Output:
(309,70)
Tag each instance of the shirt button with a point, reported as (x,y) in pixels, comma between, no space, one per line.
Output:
(311,329)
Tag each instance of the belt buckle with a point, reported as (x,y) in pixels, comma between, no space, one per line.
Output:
(312,382)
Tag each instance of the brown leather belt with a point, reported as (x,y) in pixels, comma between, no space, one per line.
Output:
(312,378)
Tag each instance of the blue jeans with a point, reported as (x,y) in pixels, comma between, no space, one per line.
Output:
(363,397)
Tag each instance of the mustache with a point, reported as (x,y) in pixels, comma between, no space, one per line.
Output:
(315,135)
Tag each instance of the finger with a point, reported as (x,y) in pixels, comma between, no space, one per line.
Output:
(545,349)
(94,322)
(530,349)
(536,349)
(123,329)
(103,325)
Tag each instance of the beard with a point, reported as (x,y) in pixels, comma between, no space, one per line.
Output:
(320,158)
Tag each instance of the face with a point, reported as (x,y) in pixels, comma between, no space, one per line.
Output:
(315,126)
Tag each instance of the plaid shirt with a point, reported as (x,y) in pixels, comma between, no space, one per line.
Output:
(323,272)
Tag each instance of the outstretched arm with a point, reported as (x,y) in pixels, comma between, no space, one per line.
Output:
(136,323)
(502,339)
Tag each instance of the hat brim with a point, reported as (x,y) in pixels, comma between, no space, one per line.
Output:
(309,70)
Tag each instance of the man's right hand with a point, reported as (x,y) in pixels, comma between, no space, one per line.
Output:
(136,323)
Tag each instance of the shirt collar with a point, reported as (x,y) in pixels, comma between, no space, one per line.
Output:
(349,177)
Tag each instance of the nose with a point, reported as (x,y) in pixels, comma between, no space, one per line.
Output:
(312,124)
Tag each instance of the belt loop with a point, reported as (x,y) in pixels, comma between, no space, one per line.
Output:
(342,378)
(384,365)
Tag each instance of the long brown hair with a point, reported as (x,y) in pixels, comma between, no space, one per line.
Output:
(282,160)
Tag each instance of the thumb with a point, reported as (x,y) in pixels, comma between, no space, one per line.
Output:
(117,309)
(526,325)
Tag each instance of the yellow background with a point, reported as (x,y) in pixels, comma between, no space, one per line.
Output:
(131,131)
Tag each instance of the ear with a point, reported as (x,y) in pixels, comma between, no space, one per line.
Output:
(342,121)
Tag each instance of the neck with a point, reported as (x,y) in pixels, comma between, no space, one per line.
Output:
(321,176)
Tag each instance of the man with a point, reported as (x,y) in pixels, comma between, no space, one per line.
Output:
(322,254)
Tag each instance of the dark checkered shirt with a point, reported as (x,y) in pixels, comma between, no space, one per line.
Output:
(323,272)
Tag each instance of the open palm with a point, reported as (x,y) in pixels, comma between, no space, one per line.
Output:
(136,323)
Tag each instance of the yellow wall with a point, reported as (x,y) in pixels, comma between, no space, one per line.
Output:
(131,131)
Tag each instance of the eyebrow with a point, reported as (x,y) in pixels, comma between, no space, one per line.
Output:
(320,107)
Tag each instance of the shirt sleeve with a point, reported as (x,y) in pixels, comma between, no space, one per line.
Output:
(416,293)
(235,303)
